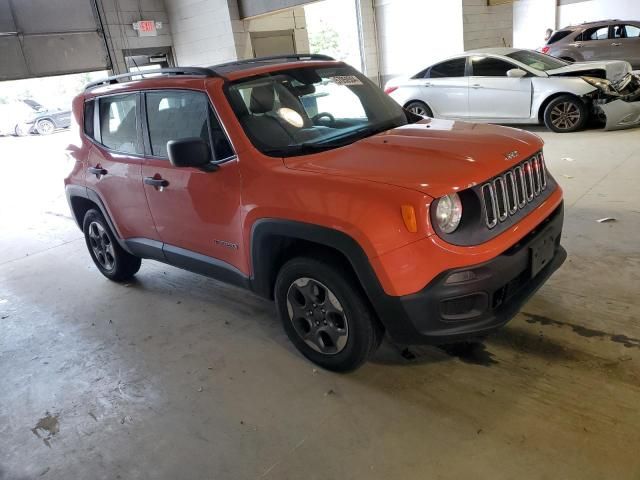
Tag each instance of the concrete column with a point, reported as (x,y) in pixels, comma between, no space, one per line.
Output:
(368,39)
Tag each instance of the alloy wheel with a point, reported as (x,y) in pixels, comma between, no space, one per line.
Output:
(102,246)
(45,127)
(418,111)
(317,316)
(565,115)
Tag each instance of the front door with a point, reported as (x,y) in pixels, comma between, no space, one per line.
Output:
(196,213)
(494,95)
(626,44)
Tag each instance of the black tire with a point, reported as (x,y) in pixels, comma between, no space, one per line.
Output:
(45,127)
(566,114)
(112,261)
(417,106)
(351,314)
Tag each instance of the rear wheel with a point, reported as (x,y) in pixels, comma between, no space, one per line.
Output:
(419,108)
(565,114)
(325,314)
(112,261)
(45,127)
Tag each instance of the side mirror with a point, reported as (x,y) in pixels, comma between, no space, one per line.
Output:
(516,73)
(190,152)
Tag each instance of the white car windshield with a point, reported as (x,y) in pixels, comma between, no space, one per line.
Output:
(305,110)
(537,60)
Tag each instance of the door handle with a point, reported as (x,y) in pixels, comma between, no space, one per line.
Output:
(157,183)
(428,84)
(616,44)
(476,85)
(97,171)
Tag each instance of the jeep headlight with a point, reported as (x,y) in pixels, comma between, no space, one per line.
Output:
(600,84)
(449,212)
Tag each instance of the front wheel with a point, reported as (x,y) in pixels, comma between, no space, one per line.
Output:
(565,114)
(325,314)
(112,261)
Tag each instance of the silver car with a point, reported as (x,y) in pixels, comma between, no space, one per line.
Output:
(507,85)
(605,40)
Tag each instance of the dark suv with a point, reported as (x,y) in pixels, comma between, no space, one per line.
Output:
(604,40)
(299,179)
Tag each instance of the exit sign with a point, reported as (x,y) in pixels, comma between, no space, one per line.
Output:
(147,28)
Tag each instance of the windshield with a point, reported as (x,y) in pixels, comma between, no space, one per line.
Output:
(305,110)
(537,60)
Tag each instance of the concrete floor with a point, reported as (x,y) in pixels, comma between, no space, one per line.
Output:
(177,376)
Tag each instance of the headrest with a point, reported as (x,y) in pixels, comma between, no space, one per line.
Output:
(262,99)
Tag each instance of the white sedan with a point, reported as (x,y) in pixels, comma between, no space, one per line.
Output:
(507,85)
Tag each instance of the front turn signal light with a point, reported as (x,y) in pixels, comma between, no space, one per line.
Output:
(409,217)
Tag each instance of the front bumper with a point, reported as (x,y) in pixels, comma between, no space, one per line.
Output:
(621,114)
(477,303)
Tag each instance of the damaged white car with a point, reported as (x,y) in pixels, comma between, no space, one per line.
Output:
(512,86)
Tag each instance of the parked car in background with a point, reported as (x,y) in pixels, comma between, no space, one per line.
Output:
(297,178)
(507,85)
(27,116)
(604,40)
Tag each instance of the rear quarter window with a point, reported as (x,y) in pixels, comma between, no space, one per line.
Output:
(88,118)
(556,37)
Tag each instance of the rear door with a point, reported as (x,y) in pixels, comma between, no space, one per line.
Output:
(115,162)
(195,212)
(626,43)
(492,94)
(445,88)
(595,44)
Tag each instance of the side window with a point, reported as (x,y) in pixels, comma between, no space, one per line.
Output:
(490,67)
(596,33)
(118,123)
(450,68)
(173,115)
(88,118)
(632,31)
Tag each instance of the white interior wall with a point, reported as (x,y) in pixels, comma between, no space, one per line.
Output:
(415,33)
(576,13)
(531,18)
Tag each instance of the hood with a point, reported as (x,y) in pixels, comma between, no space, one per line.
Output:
(435,157)
(612,70)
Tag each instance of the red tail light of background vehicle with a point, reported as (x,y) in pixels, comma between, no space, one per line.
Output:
(388,90)
(545,49)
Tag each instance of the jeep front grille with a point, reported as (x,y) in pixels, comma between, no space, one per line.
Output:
(511,191)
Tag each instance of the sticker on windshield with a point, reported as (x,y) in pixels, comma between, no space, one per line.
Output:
(347,80)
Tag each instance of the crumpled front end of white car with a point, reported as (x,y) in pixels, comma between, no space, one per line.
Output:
(617,103)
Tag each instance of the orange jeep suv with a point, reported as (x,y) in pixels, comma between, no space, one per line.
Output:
(298,179)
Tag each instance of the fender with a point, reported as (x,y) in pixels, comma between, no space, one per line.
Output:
(77,191)
(262,252)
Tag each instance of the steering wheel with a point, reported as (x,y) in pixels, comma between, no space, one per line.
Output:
(320,115)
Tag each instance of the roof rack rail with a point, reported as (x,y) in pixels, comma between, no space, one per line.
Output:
(291,56)
(187,71)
